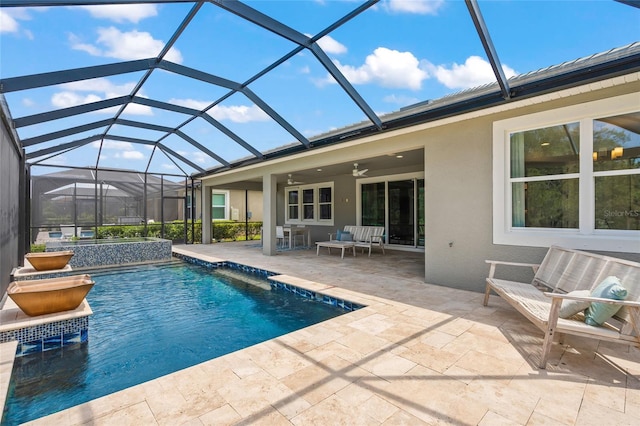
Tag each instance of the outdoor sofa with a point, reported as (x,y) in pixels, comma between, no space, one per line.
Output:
(364,237)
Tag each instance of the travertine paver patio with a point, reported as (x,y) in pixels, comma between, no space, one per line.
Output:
(418,354)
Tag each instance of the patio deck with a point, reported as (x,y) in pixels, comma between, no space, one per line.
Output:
(418,354)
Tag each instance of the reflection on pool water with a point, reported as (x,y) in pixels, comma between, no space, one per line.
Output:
(150,321)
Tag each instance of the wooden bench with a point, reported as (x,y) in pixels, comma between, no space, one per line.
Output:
(563,271)
(365,237)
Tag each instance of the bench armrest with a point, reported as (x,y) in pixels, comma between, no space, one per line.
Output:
(494,263)
(593,299)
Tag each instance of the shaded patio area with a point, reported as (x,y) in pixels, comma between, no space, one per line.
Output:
(417,354)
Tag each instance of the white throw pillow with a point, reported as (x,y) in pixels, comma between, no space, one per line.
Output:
(571,307)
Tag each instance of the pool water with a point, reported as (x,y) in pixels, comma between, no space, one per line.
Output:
(150,321)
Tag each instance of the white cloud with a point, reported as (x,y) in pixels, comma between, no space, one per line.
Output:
(422,7)
(121,13)
(388,68)
(122,150)
(68,99)
(137,109)
(102,85)
(331,45)
(199,157)
(473,73)
(305,70)
(102,88)
(130,155)
(169,166)
(235,113)
(191,103)
(402,70)
(238,113)
(8,24)
(113,43)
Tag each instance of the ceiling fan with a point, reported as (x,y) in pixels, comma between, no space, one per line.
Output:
(290,181)
(358,173)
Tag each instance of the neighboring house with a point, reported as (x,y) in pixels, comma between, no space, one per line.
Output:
(226,204)
(502,182)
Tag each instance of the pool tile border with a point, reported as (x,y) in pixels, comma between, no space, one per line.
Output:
(44,337)
(271,277)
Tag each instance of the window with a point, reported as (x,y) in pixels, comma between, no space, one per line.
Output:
(189,206)
(310,204)
(219,202)
(570,177)
(293,206)
(325,203)
(545,167)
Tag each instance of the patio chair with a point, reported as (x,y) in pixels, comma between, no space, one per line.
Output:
(299,232)
(280,239)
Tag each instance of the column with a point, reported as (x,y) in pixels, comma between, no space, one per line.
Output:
(206,214)
(269,190)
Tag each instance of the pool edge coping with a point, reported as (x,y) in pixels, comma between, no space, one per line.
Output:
(282,281)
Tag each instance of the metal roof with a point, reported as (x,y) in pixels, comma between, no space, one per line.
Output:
(42,145)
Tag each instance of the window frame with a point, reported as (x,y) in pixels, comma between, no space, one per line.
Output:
(226,203)
(315,204)
(586,236)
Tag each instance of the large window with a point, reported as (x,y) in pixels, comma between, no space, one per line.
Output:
(310,204)
(570,177)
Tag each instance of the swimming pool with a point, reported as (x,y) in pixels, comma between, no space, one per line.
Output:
(150,321)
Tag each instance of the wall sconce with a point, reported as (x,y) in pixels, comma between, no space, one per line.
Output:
(617,152)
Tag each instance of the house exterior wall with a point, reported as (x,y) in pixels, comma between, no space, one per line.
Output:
(238,200)
(459,198)
(458,172)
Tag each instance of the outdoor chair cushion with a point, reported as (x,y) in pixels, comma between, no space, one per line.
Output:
(610,288)
(344,236)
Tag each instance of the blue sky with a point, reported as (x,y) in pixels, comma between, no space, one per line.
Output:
(397,53)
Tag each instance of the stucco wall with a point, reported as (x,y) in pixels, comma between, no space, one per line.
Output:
(238,200)
(458,198)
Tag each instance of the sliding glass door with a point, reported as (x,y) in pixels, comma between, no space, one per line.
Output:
(398,205)
(373,204)
(401,212)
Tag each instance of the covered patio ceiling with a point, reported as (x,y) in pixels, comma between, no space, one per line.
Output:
(246,107)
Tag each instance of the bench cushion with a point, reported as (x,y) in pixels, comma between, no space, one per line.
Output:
(609,288)
(344,236)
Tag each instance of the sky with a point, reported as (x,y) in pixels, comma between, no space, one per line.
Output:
(396,53)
